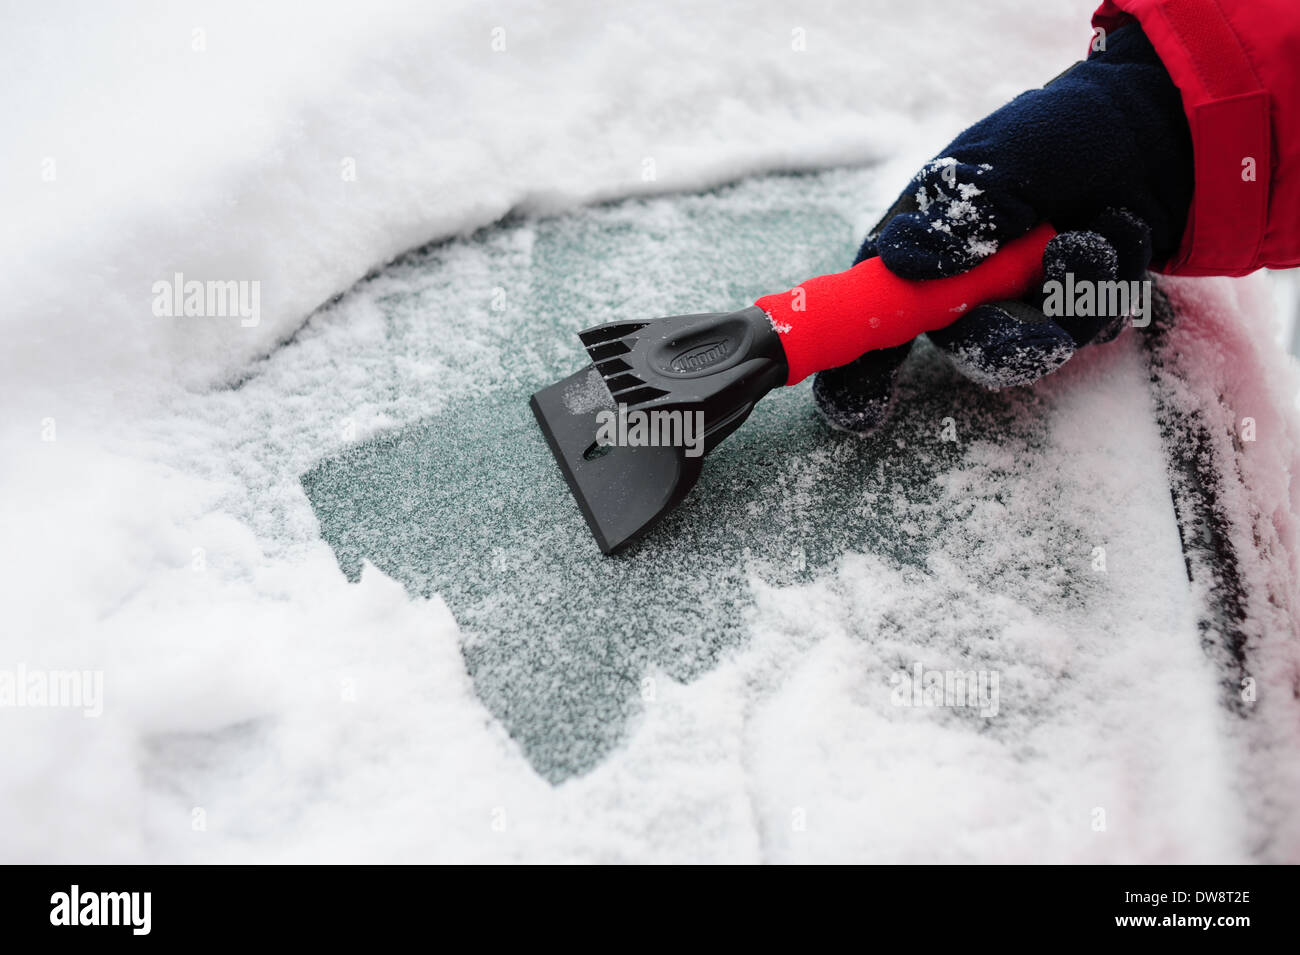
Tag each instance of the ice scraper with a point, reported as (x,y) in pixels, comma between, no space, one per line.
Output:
(630,430)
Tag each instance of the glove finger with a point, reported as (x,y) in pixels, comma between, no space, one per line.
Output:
(1074,265)
(869,248)
(857,397)
(913,248)
(1131,238)
(1003,344)
(951,217)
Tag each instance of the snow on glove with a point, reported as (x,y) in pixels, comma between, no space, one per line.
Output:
(1102,152)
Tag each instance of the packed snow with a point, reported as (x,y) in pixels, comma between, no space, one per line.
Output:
(342,604)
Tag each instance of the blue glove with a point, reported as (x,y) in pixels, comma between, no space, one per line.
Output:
(1103,152)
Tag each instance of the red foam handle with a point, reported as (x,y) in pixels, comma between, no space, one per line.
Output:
(833,319)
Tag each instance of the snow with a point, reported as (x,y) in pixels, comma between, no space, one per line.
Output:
(1254,425)
(301,668)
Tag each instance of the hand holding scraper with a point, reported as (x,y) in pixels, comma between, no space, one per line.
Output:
(720,364)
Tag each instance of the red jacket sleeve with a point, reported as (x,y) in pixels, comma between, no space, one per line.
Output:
(1237,65)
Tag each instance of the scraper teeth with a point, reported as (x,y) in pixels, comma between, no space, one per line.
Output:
(606,350)
(607,333)
(609,341)
(612,366)
(637,396)
(622,383)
